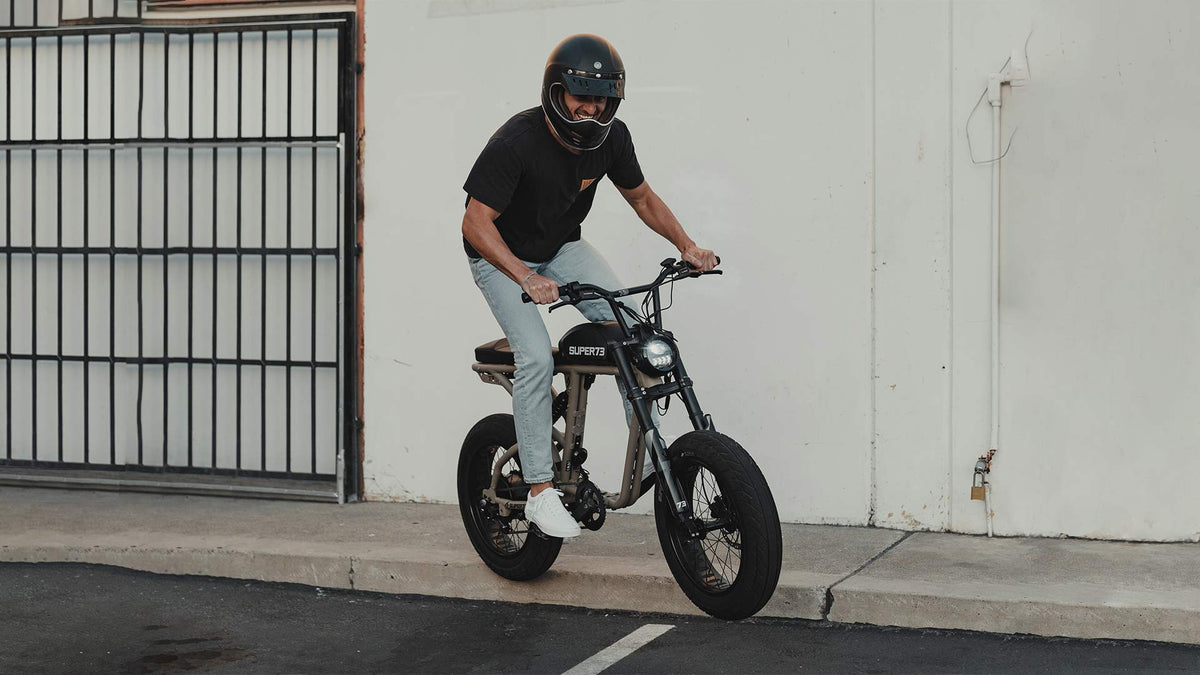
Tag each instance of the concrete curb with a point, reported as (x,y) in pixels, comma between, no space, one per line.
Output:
(599,582)
(579,581)
(310,570)
(1051,587)
(1078,610)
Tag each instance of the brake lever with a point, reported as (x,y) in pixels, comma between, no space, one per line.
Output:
(572,296)
(694,274)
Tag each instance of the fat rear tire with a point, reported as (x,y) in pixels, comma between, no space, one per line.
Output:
(519,554)
(720,479)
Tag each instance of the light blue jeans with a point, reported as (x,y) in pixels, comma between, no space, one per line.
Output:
(526,332)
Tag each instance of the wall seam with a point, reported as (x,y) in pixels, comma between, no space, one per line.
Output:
(950,267)
(871,225)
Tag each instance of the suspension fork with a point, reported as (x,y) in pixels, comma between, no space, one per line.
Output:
(700,421)
(654,443)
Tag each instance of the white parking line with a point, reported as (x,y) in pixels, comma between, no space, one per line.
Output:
(619,649)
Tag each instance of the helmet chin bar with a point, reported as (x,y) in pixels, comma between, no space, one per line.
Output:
(584,134)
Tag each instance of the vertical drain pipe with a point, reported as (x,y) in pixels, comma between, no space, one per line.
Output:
(994,97)
(1015,74)
(981,487)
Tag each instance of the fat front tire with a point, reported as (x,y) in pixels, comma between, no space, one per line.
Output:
(503,542)
(730,572)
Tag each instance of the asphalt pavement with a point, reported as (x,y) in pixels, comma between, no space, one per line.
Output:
(84,618)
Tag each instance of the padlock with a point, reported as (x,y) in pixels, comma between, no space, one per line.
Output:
(978,491)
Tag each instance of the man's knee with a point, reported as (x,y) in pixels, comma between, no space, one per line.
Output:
(536,367)
(597,311)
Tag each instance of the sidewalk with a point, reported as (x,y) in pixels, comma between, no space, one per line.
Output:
(1059,587)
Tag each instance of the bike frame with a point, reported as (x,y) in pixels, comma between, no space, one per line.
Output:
(641,390)
(568,475)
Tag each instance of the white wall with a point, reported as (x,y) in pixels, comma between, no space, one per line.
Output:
(820,149)
(1101,294)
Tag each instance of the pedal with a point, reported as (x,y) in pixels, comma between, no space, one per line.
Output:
(537,532)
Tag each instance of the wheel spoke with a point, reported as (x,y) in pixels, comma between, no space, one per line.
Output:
(713,560)
(730,567)
(505,534)
(721,552)
(710,487)
(727,568)
(720,578)
(723,561)
(705,493)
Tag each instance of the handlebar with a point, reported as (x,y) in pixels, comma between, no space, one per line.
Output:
(672,271)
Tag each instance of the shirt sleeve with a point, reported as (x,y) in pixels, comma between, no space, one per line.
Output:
(494,177)
(625,171)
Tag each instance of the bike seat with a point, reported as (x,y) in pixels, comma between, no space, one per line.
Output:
(498,353)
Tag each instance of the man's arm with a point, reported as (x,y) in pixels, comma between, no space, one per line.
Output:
(479,229)
(658,217)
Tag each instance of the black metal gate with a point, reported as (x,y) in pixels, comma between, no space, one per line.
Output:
(178,255)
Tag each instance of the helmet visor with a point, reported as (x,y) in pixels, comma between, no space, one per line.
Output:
(593,84)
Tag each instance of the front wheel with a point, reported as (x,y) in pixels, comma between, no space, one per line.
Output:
(504,542)
(730,572)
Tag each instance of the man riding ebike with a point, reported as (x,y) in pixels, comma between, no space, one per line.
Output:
(528,194)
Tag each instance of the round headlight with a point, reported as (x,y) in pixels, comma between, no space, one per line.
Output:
(658,354)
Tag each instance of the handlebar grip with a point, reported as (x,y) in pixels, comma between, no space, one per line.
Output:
(691,266)
(563,292)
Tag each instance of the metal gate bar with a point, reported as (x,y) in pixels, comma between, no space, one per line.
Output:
(91,18)
(344,429)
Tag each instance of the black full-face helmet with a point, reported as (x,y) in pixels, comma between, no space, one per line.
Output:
(582,65)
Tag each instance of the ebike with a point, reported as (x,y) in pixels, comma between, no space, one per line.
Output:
(716,519)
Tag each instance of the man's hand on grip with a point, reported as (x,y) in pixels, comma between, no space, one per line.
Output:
(543,290)
(700,258)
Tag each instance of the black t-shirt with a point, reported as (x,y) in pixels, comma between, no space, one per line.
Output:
(542,190)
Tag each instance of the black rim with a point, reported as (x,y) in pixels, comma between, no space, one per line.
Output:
(714,560)
(504,535)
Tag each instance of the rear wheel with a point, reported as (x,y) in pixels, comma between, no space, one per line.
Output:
(503,542)
(731,571)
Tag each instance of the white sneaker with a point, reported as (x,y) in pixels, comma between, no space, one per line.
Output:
(546,510)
